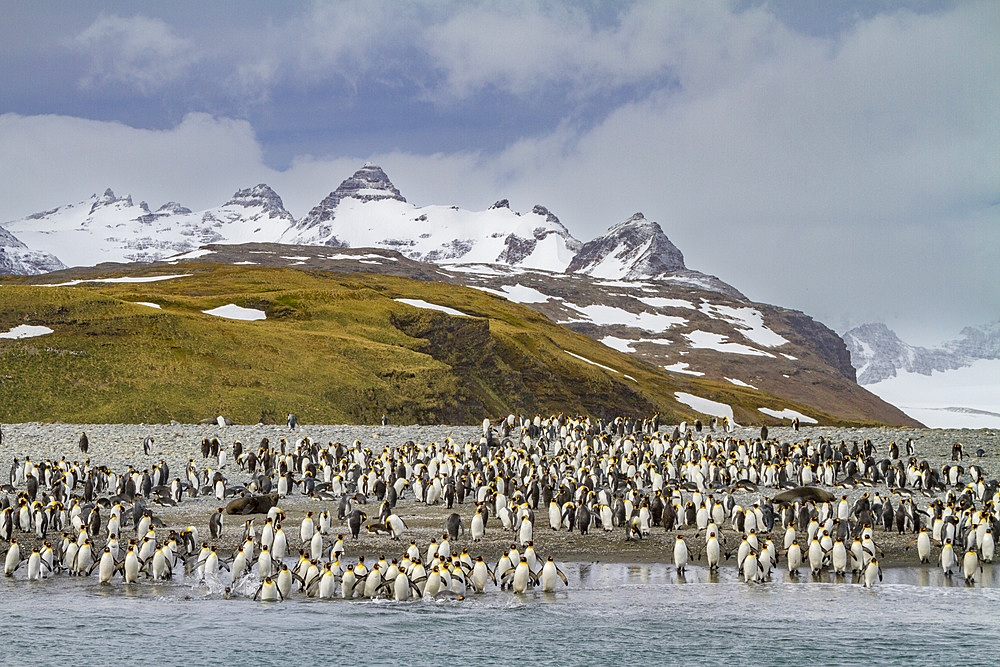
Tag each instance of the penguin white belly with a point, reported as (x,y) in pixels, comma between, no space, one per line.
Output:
(269,592)
(712,553)
(479,576)
(131,569)
(106,569)
(794,557)
(284,583)
(327,586)
(525,532)
(347,585)
(316,546)
(478,530)
(923,546)
(839,558)
(520,584)
(34,566)
(401,588)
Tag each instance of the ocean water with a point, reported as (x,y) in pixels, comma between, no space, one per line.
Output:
(609,614)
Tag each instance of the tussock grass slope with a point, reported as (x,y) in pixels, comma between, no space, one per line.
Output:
(334,349)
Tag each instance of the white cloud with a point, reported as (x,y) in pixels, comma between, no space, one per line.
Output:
(831,173)
(137,51)
(199,162)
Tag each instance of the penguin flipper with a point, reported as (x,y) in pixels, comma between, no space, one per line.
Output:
(562,575)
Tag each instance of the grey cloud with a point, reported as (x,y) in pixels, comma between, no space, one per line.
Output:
(137,51)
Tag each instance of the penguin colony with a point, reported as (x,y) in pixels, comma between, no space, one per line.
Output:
(623,477)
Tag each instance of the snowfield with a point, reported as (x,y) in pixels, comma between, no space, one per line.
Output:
(966,397)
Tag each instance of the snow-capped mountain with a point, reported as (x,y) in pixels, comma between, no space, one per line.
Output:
(367,211)
(950,386)
(17,259)
(632,250)
(637,249)
(108,228)
(878,354)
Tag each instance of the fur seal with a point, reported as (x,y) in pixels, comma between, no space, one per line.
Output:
(252,504)
(804,493)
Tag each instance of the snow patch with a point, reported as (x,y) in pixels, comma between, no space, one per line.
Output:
(618,262)
(748,321)
(620,344)
(126,279)
(524,294)
(788,413)
(148,304)
(190,255)
(712,341)
(625,344)
(594,363)
(606,315)
(682,367)
(661,302)
(233,312)
(740,383)
(26,331)
(480,269)
(488,290)
(705,406)
(625,283)
(420,303)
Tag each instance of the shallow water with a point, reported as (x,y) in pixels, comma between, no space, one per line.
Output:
(609,613)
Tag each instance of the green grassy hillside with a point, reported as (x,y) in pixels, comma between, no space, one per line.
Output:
(333,349)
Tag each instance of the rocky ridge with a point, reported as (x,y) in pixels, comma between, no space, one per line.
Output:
(879,354)
(17,259)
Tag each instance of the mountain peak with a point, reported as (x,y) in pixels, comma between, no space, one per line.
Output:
(878,354)
(369,183)
(635,249)
(263,196)
(108,199)
(16,258)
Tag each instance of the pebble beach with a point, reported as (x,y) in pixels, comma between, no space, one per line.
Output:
(119,446)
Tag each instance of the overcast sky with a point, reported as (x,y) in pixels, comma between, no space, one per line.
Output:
(841,158)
